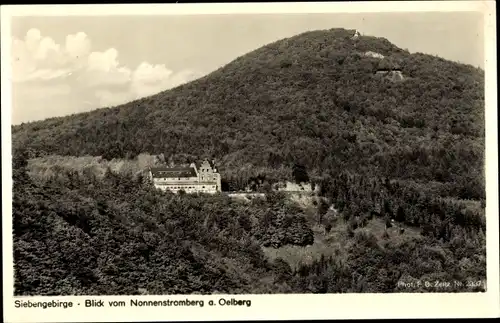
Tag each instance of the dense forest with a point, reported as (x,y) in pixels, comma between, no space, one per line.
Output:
(311,99)
(406,153)
(82,235)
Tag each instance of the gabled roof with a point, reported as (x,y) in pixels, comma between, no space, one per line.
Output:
(198,164)
(172,172)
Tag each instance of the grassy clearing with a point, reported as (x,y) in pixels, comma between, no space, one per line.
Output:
(337,242)
(45,167)
(471,205)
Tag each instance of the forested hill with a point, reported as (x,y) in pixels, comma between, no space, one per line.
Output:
(313,99)
(395,140)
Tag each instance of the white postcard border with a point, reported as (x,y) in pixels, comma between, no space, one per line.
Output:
(269,307)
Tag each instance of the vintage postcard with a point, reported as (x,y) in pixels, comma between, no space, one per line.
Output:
(274,161)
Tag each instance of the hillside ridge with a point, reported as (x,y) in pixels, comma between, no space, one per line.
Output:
(313,99)
(398,162)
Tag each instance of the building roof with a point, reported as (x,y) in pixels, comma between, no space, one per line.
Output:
(172,172)
(198,163)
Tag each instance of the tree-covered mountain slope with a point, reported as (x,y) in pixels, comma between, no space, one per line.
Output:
(315,99)
(79,234)
(394,140)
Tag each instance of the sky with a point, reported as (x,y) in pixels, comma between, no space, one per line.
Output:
(65,65)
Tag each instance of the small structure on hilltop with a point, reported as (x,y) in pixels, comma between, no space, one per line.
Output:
(390,68)
(394,74)
(356,35)
(196,178)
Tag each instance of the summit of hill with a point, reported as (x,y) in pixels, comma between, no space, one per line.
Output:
(326,99)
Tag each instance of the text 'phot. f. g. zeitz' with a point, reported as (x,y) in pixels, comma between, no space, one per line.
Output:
(328,159)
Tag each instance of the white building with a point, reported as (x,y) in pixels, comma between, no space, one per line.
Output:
(198,177)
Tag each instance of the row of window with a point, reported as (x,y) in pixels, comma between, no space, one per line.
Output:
(176,179)
(184,179)
(187,187)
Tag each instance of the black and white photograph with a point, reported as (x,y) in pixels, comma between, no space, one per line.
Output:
(248,154)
